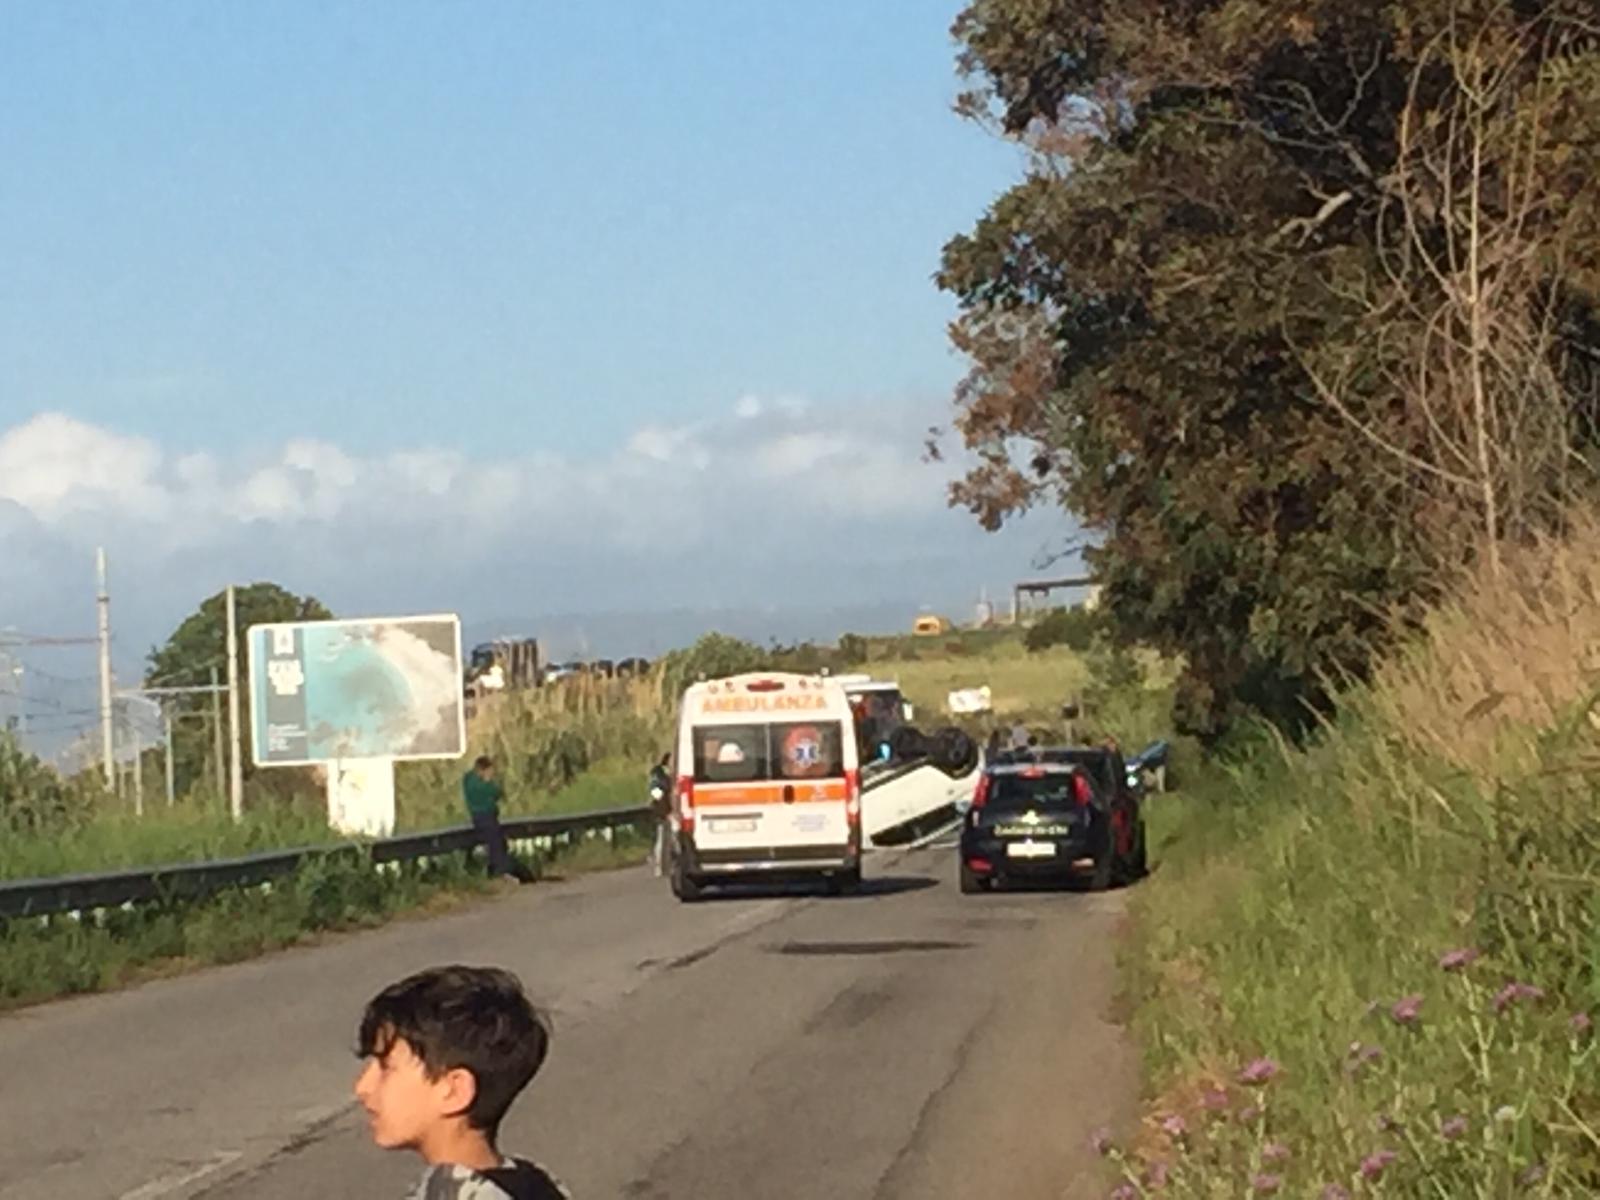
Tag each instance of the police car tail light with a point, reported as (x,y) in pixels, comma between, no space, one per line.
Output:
(686,803)
(980,797)
(852,796)
(1082,793)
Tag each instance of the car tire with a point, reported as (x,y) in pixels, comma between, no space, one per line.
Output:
(972,883)
(684,887)
(1105,864)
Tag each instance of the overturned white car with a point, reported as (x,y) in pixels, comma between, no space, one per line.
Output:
(913,785)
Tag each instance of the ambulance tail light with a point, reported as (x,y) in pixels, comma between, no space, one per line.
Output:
(852,797)
(685,794)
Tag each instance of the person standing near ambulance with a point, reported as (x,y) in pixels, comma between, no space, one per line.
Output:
(661,810)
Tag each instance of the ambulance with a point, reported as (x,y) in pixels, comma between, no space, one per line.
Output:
(767,784)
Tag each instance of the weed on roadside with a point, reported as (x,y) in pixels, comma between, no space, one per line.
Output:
(1370,968)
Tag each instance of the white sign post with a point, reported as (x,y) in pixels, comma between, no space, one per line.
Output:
(361,796)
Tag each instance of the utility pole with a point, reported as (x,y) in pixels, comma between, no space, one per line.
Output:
(18,721)
(166,721)
(108,749)
(235,767)
(138,770)
(216,731)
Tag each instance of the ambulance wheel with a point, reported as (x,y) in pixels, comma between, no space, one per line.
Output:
(684,887)
(845,883)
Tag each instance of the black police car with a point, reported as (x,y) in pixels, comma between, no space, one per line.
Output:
(1052,815)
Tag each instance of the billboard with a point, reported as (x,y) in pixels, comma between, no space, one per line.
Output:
(382,687)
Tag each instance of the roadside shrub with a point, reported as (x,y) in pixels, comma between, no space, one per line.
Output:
(854,648)
(1399,919)
(1074,628)
(34,798)
(713,656)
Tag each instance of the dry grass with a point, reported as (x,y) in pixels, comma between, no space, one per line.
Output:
(1022,683)
(1506,656)
(1300,894)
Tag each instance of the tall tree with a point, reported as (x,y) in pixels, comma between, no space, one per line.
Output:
(1174,320)
(200,645)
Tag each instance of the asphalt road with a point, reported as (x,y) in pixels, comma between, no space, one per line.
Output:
(908,1042)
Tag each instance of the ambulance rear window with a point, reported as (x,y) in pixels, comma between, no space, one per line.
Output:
(756,753)
(807,750)
(730,753)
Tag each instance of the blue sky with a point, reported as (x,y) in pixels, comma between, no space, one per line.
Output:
(506,309)
(232,223)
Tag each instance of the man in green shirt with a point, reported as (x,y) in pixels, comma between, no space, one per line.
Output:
(483,793)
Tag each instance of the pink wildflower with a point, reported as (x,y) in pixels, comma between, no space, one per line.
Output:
(1258,1071)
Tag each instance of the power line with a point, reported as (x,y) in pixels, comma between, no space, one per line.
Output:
(41,673)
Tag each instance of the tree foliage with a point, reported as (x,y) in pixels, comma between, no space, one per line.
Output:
(713,656)
(1295,308)
(1074,628)
(718,655)
(199,646)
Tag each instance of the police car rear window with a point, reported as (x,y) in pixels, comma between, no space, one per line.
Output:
(1048,790)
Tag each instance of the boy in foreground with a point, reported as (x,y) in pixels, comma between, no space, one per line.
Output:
(446,1052)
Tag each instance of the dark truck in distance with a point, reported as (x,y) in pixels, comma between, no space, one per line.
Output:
(1052,815)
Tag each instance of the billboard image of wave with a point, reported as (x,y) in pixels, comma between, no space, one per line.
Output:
(386,688)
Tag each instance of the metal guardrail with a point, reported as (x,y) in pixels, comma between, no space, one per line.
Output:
(189,881)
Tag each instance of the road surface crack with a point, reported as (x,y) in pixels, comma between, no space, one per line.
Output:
(958,1065)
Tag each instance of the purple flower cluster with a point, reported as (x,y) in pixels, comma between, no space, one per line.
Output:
(1407,1011)
(1374,1164)
(1258,1071)
(1513,992)
(1459,960)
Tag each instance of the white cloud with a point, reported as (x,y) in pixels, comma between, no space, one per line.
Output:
(706,512)
(54,463)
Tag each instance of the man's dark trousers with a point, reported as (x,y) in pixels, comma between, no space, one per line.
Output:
(494,841)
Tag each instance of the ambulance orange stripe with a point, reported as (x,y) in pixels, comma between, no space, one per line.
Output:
(806,791)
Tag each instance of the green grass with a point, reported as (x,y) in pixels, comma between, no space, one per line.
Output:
(185,833)
(1021,683)
(61,955)
(43,959)
(1300,898)
(119,840)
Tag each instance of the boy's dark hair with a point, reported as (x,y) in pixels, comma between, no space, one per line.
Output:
(484,762)
(476,1019)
